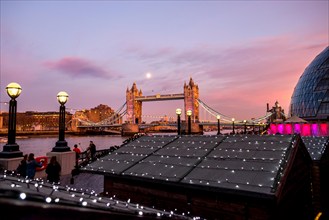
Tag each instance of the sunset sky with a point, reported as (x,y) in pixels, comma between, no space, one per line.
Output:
(242,54)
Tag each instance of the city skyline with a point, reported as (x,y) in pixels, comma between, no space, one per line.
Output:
(241,54)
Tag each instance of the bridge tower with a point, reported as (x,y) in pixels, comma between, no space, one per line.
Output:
(134,107)
(191,94)
(278,115)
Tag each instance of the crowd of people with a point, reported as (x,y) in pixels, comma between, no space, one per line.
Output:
(28,165)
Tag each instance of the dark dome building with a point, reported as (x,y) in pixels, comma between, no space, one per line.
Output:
(310,99)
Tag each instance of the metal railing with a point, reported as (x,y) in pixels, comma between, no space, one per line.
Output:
(85,157)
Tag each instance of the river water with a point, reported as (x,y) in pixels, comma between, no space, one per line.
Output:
(41,145)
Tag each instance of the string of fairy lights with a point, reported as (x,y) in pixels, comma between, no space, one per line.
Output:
(39,190)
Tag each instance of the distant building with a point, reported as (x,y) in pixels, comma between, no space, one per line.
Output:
(36,121)
(310,99)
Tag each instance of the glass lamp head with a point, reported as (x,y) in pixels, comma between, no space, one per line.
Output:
(189,112)
(62,97)
(233,119)
(218,117)
(13,90)
(178,111)
(244,121)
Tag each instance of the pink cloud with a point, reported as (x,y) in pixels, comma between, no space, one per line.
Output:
(75,66)
(239,80)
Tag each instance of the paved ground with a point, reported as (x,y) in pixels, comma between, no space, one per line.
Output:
(85,181)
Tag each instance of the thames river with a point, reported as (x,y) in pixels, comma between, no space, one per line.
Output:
(40,145)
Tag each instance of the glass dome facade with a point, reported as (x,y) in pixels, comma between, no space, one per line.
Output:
(310,99)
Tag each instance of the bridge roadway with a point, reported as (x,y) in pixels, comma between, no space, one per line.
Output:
(160,97)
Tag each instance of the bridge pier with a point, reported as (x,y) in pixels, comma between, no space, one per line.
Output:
(196,128)
(129,129)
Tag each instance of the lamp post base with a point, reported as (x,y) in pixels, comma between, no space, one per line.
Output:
(11,151)
(61,146)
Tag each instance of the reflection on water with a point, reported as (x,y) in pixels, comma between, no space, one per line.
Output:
(40,145)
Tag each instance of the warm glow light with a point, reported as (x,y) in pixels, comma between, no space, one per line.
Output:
(62,97)
(233,119)
(218,117)
(148,75)
(189,112)
(13,90)
(178,111)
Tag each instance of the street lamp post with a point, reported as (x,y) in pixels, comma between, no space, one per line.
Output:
(189,113)
(233,132)
(11,149)
(245,126)
(260,128)
(178,113)
(61,144)
(218,124)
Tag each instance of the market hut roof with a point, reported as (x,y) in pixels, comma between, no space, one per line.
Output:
(241,162)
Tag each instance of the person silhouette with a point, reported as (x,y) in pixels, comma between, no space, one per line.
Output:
(53,170)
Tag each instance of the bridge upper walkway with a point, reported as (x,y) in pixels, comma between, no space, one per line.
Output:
(160,97)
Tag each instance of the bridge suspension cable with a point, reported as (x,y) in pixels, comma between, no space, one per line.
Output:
(229,119)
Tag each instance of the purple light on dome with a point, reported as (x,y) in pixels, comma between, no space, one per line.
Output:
(315,130)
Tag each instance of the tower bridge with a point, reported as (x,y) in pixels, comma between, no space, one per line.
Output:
(132,109)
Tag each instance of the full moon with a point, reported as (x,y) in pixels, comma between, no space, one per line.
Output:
(148,75)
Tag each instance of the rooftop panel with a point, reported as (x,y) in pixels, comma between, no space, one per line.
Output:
(240,162)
